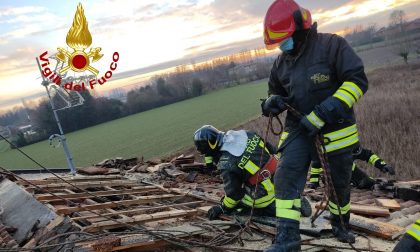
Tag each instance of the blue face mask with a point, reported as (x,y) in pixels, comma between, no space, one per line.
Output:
(287,45)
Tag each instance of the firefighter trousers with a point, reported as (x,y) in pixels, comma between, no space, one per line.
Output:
(291,174)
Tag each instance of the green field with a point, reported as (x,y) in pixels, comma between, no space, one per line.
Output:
(155,132)
(4,146)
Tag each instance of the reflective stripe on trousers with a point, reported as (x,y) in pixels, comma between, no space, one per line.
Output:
(315,173)
(229,202)
(334,208)
(289,209)
(263,201)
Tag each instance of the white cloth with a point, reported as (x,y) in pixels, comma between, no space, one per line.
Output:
(234,142)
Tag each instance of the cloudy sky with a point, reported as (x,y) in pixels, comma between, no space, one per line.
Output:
(150,32)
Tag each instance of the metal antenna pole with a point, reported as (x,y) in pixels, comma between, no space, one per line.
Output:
(67,152)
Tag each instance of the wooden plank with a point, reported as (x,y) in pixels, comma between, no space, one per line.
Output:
(84,195)
(388,203)
(413,182)
(192,167)
(139,219)
(140,200)
(139,210)
(88,201)
(102,211)
(72,179)
(376,228)
(186,194)
(86,184)
(146,243)
(45,231)
(366,210)
(369,210)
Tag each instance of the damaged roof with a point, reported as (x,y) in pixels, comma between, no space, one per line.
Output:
(155,205)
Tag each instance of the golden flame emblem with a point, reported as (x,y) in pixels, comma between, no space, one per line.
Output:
(79,39)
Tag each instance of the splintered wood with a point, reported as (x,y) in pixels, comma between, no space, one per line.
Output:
(107,243)
(377,228)
(115,204)
(388,203)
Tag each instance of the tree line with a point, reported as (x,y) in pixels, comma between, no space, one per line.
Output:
(160,91)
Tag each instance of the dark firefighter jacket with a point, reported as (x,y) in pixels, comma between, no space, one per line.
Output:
(236,171)
(325,66)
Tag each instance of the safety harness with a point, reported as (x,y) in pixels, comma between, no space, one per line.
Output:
(266,172)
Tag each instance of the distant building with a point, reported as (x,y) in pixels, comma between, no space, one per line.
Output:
(118,93)
(243,69)
(410,27)
(27,130)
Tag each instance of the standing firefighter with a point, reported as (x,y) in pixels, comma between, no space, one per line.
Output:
(358,177)
(320,76)
(238,155)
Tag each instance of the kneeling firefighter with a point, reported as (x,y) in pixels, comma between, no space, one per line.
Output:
(238,155)
(359,178)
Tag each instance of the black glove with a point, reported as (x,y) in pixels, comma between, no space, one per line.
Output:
(308,128)
(332,110)
(215,212)
(388,169)
(211,166)
(274,105)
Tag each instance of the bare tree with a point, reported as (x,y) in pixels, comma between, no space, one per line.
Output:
(398,19)
(397,26)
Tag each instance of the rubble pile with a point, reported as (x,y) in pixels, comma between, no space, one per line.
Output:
(170,194)
(109,166)
(93,213)
(6,239)
(26,223)
(179,172)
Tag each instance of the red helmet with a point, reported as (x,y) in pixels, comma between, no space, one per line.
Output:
(283,18)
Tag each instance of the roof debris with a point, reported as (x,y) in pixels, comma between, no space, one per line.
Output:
(155,204)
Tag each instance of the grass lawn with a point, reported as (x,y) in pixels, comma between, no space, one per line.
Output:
(152,133)
(4,146)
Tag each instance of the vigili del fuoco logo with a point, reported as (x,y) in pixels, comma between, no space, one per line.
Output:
(72,65)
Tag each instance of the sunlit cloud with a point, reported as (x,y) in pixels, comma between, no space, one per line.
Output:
(24,31)
(151,33)
(45,17)
(357,9)
(9,11)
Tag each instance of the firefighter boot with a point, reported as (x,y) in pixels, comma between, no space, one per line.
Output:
(305,209)
(343,233)
(361,180)
(287,238)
